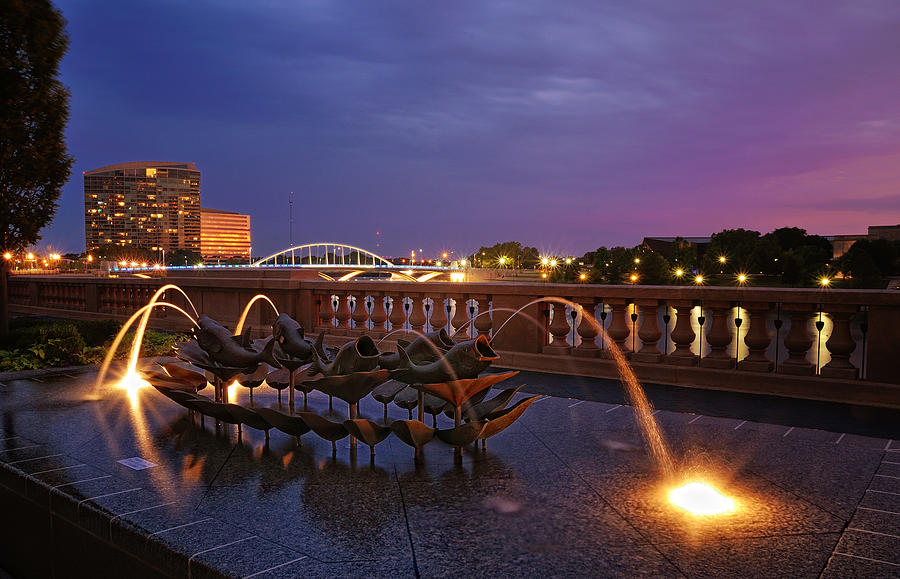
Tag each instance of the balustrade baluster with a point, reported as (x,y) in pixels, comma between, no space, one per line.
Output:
(438,314)
(360,315)
(649,333)
(798,341)
(588,331)
(559,328)
(618,329)
(398,313)
(326,312)
(378,316)
(757,340)
(483,322)
(461,318)
(343,314)
(683,335)
(417,315)
(840,345)
(718,337)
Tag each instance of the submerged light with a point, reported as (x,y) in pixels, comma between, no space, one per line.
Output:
(699,498)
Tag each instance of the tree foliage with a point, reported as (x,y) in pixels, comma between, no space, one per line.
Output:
(34,109)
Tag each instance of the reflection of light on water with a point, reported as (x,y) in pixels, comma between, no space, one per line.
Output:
(699,498)
(131,382)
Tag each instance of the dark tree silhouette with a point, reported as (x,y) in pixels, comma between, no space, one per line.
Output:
(34,109)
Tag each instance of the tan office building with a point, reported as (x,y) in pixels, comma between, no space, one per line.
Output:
(224,234)
(149,205)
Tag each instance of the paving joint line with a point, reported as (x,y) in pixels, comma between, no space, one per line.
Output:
(866,558)
(35,458)
(56,469)
(275,567)
(179,527)
(873,532)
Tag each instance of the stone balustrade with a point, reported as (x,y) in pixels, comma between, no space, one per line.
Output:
(809,342)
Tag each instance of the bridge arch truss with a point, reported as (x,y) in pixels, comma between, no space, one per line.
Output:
(324,254)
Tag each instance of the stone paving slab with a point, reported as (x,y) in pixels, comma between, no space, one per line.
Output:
(567,490)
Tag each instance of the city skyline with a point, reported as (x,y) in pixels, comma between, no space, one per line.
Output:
(450,128)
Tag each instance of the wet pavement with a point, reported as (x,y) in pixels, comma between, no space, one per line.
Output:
(566,490)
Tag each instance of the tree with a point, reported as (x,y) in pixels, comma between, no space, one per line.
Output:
(34,110)
(183,257)
(736,246)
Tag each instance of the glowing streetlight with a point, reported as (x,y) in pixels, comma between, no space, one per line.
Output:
(824,281)
(698,279)
(568,261)
(553,263)
(545,261)
(438,263)
(502,261)
(679,273)
(722,259)
(742,278)
(90,258)
(582,277)
(633,278)
(462,262)
(637,260)
(444,255)
(7,256)
(30,256)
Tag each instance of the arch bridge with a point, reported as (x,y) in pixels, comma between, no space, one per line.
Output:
(346,262)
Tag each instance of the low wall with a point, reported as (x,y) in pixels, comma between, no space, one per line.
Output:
(829,344)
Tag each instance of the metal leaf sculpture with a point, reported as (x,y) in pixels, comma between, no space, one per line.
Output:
(290,425)
(350,388)
(415,433)
(500,420)
(457,392)
(461,435)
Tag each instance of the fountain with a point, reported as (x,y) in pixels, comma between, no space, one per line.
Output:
(432,372)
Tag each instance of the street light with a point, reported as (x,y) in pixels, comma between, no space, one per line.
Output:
(722,259)
(742,278)
(679,273)
(698,279)
(637,260)
(824,281)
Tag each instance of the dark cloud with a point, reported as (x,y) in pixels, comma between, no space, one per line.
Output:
(450,125)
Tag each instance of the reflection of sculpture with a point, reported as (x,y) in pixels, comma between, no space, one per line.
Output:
(432,372)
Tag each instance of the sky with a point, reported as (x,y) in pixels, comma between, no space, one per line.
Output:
(450,125)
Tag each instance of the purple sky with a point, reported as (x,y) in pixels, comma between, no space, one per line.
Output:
(452,125)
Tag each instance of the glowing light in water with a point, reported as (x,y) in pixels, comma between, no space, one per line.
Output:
(699,498)
(138,338)
(240,324)
(232,390)
(131,382)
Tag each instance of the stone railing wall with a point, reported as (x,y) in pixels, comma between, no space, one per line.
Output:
(828,344)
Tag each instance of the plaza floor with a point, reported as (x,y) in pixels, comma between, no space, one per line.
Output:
(566,491)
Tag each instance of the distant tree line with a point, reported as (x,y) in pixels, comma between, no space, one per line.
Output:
(788,257)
